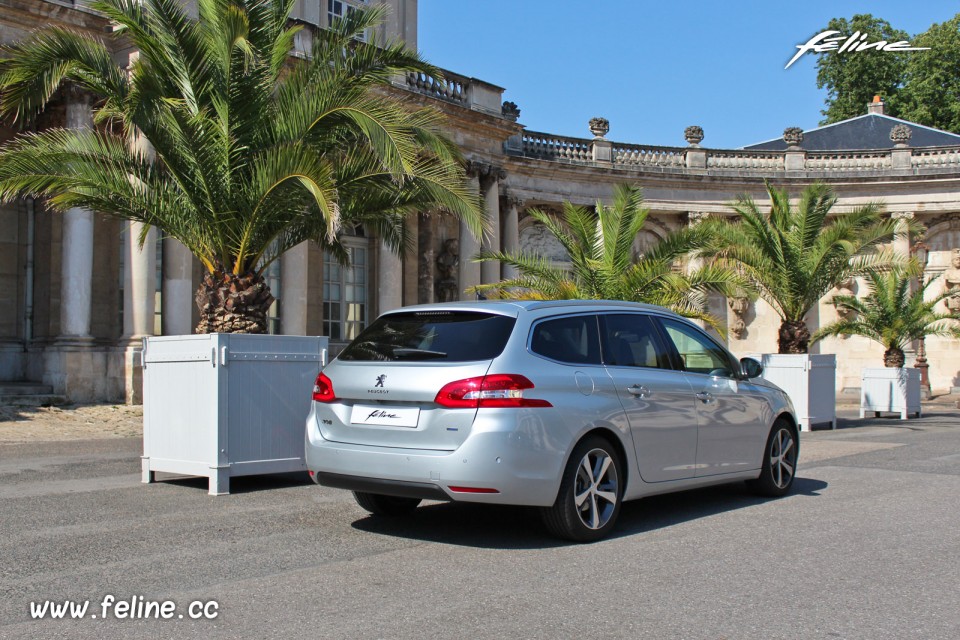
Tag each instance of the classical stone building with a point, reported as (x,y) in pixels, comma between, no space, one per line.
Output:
(79,296)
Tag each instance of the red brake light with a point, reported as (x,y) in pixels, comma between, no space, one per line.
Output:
(323,389)
(493,391)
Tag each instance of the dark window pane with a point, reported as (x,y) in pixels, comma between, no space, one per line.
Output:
(573,339)
(443,336)
(630,340)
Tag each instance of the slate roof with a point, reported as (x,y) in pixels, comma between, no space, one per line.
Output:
(870,131)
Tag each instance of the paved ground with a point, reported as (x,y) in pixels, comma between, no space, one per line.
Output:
(867,547)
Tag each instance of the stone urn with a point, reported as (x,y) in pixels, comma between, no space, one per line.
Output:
(693,135)
(599,127)
(793,136)
(900,134)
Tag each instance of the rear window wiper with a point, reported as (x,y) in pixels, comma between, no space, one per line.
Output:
(407,352)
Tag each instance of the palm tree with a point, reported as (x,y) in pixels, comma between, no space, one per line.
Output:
(255,151)
(893,314)
(602,266)
(794,256)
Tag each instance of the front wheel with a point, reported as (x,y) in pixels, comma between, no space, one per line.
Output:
(590,494)
(390,506)
(779,461)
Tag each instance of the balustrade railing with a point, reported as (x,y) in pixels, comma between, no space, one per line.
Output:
(551,147)
(648,156)
(749,160)
(848,160)
(452,88)
(936,157)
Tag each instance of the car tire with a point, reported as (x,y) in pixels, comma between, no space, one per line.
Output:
(591,492)
(388,506)
(779,461)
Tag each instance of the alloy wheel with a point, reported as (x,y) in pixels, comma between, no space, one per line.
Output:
(783,458)
(596,489)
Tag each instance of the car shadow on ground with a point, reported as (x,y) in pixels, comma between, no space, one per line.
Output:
(497,527)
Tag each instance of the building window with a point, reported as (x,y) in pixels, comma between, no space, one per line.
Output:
(345,292)
(337,9)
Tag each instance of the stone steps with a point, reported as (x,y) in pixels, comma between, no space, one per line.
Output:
(29,394)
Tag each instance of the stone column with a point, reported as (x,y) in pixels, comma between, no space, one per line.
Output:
(490,185)
(178,290)
(469,271)
(511,233)
(389,279)
(293,290)
(140,268)
(76,284)
(693,219)
(426,256)
(139,282)
(901,242)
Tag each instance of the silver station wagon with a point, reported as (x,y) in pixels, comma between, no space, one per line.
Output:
(570,406)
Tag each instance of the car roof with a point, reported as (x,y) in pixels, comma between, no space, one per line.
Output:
(516,307)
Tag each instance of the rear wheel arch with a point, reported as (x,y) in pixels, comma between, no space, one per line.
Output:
(610,436)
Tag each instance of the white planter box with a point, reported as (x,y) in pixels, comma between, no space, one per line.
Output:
(225,405)
(890,389)
(809,380)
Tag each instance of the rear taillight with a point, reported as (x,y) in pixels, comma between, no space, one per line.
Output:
(493,391)
(323,389)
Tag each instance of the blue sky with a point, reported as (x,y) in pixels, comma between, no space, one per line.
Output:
(651,68)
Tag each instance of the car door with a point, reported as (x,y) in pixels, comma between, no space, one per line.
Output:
(732,416)
(657,399)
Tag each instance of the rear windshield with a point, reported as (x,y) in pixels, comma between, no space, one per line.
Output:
(444,336)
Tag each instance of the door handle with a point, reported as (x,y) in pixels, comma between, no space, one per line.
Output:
(639,390)
(705,397)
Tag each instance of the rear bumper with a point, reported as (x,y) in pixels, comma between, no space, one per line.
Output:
(524,470)
(398,488)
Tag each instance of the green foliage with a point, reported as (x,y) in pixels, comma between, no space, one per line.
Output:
(931,82)
(602,266)
(892,314)
(795,255)
(255,152)
(852,79)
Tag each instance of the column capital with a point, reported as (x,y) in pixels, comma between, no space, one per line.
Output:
(902,215)
(516,201)
(485,171)
(696,217)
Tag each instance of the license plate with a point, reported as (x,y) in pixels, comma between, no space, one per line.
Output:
(385,416)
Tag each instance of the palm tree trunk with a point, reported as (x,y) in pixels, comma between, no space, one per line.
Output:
(893,357)
(230,303)
(794,337)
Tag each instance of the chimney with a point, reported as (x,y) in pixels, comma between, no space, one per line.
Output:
(876,106)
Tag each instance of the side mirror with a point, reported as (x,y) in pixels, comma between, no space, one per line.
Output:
(751,368)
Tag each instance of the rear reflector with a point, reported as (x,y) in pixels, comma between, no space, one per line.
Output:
(499,390)
(472,490)
(323,389)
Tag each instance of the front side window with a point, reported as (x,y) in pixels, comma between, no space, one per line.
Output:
(573,340)
(434,336)
(630,340)
(345,292)
(698,353)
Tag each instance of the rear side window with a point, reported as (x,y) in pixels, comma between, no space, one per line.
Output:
(630,340)
(573,339)
(445,336)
